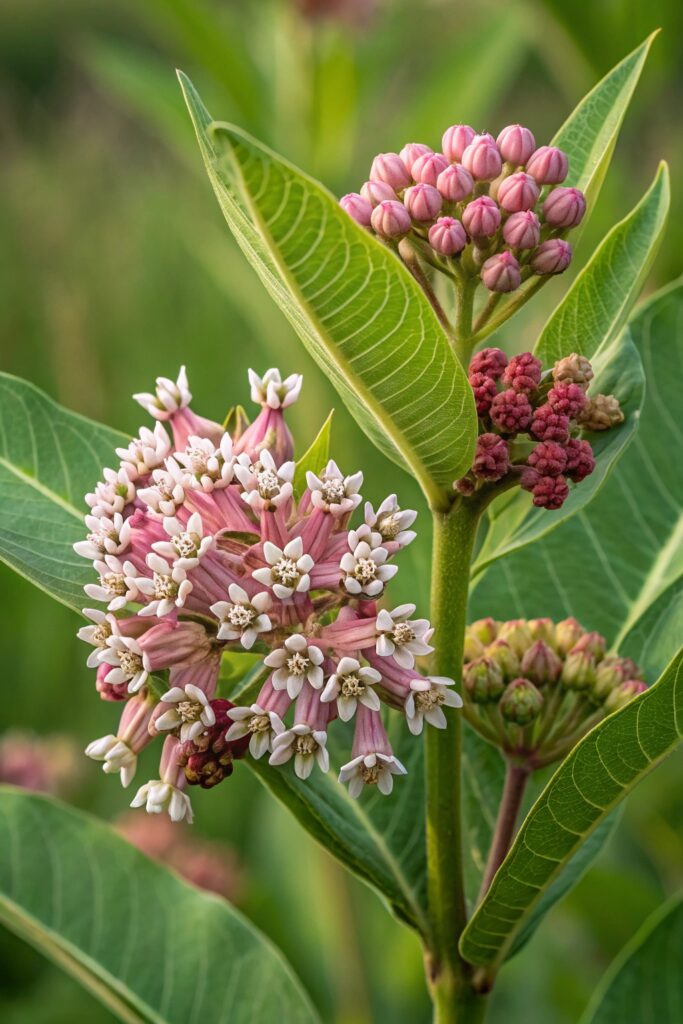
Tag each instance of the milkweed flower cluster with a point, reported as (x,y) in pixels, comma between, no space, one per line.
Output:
(205,541)
(489,208)
(530,422)
(535,687)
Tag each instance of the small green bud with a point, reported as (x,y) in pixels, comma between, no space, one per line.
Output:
(578,672)
(610,673)
(517,633)
(567,634)
(521,703)
(592,643)
(504,657)
(543,629)
(483,681)
(474,648)
(623,694)
(541,665)
(485,630)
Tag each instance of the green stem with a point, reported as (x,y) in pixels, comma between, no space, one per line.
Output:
(449,975)
(522,296)
(464,315)
(516,778)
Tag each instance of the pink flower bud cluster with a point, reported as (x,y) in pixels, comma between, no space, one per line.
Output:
(496,204)
(553,680)
(518,404)
(201,545)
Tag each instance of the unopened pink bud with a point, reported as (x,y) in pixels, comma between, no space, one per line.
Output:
(550,492)
(455,183)
(482,159)
(377,192)
(358,208)
(447,236)
(564,207)
(481,217)
(428,167)
(489,361)
(552,257)
(518,192)
(500,273)
(391,219)
(410,153)
(522,230)
(580,459)
(516,144)
(455,141)
(548,165)
(390,168)
(491,460)
(423,202)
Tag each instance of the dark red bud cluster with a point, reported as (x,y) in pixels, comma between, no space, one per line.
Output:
(208,759)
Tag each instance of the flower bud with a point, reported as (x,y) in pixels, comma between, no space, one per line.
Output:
(428,167)
(511,412)
(377,192)
(548,165)
(543,629)
(491,460)
(485,630)
(482,159)
(389,167)
(357,207)
(523,372)
(455,141)
(611,672)
(568,399)
(410,153)
(573,369)
(455,183)
(485,390)
(624,694)
(564,207)
(447,236)
(490,361)
(578,672)
(422,202)
(548,425)
(516,144)
(505,658)
(465,486)
(551,257)
(593,643)
(391,219)
(474,648)
(500,273)
(550,492)
(481,217)
(568,632)
(541,665)
(601,413)
(521,703)
(522,230)
(483,681)
(518,192)
(517,633)
(580,459)
(548,458)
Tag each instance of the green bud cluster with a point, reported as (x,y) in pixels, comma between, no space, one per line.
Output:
(535,687)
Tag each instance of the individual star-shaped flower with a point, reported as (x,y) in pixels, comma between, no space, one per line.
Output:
(243,617)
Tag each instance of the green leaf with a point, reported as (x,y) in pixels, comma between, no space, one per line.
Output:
(315,458)
(149,946)
(512,521)
(49,459)
(380,840)
(589,134)
(601,770)
(644,984)
(356,308)
(600,299)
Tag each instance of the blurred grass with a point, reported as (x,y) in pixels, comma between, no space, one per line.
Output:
(115,265)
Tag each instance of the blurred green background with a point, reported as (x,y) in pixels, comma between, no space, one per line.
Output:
(115,266)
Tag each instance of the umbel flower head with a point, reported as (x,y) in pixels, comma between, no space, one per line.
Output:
(201,545)
(491,209)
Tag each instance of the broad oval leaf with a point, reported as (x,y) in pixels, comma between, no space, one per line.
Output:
(512,521)
(601,770)
(151,947)
(356,308)
(600,299)
(49,458)
(644,984)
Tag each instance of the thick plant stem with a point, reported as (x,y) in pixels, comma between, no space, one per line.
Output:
(454,534)
(464,314)
(516,779)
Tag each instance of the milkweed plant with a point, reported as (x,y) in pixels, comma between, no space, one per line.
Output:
(238,590)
